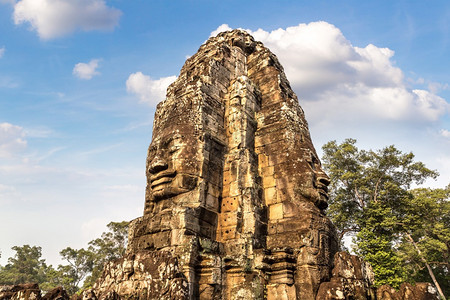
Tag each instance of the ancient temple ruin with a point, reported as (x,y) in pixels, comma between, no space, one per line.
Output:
(235,197)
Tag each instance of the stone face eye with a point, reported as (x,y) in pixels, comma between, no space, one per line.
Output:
(314,162)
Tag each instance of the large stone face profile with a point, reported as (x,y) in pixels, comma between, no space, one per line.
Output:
(235,197)
(235,189)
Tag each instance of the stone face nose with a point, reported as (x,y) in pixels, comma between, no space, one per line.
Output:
(158,164)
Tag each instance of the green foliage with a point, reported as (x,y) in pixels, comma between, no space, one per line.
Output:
(25,266)
(81,263)
(375,242)
(370,198)
(427,221)
(378,250)
(360,177)
(84,265)
(110,246)
(87,264)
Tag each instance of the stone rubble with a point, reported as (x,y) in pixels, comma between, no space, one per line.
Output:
(30,291)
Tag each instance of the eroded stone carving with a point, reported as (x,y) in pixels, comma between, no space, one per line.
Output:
(232,166)
(352,278)
(235,198)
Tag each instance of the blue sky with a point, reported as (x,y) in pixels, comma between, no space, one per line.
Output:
(79,82)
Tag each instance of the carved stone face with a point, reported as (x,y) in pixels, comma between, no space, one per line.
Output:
(173,166)
(313,180)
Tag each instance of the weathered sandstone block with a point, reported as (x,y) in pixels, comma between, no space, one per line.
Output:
(27,291)
(352,278)
(419,291)
(142,275)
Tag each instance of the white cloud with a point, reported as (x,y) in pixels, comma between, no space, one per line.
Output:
(436,87)
(11,139)
(121,191)
(56,18)
(444,169)
(2,52)
(148,90)
(331,75)
(445,133)
(39,132)
(221,28)
(8,82)
(123,188)
(98,150)
(8,194)
(429,105)
(86,70)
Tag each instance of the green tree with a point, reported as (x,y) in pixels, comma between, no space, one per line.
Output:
(110,246)
(368,199)
(54,278)
(81,263)
(375,242)
(25,266)
(425,239)
(84,266)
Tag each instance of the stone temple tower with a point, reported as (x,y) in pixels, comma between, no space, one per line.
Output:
(235,197)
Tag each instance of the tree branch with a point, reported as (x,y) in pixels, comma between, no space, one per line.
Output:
(358,196)
(430,271)
(375,193)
